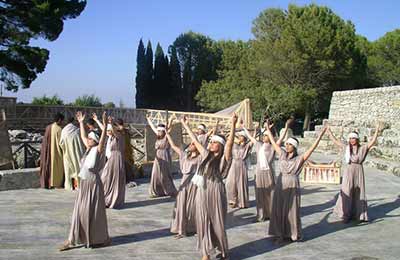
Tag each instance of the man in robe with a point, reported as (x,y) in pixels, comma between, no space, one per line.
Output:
(51,162)
(73,150)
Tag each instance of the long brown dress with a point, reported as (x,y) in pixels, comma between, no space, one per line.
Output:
(183,220)
(45,159)
(285,218)
(264,180)
(352,201)
(89,219)
(161,183)
(114,175)
(237,181)
(211,210)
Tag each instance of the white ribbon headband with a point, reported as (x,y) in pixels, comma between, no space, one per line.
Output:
(217,138)
(93,136)
(293,142)
(160,128)
(353,135)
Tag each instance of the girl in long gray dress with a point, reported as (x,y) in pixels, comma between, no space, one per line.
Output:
(183,219)
(285,222)
(352,201)
(114,175)
(161,182)
(237,181)
(265,172)
(211,202)
(89,219)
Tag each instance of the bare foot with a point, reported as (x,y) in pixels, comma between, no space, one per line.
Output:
(179,236)
(65,246)
(205,258)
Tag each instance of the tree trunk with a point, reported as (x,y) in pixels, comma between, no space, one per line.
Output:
(307,119)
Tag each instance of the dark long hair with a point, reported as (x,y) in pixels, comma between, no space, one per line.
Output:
(210,167)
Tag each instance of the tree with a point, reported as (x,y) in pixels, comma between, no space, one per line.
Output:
(48,101)
(109,105)
(198,59)
(21,21)
(175,80)
(140,75)
(384,59)
(160,87)
(148,77)
(308,47)
(87,101)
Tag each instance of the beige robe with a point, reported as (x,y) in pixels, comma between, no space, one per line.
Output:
(73,150)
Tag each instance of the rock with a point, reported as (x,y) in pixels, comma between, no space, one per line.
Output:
(18,134)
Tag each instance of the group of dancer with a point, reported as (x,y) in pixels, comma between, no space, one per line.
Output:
(215,175)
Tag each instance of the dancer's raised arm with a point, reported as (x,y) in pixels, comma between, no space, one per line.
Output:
(231,138)
(252,138)
(280,140)
(81,118)
(308,153)
(192,136)
(96,119)
(333,138)
(171,142)
(101,145)
(276,147)
(375,137)
(151,124)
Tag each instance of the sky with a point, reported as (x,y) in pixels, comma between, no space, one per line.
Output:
(96,52)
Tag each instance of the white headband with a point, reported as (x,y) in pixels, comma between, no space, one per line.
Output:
(93,136)
(201,127)
(293,142)
(160,128)
(217,138)
(241,133)
(354,135)
(264,131)
(109,127)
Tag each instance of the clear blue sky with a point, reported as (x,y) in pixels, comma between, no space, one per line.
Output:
(96,53)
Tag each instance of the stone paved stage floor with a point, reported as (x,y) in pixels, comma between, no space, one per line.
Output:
(34,222)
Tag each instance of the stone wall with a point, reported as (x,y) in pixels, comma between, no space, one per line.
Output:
(359,110)
(19,179)
(9,106)
(365,106)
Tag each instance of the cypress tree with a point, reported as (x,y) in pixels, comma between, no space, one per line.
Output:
(140,80)
(148,77)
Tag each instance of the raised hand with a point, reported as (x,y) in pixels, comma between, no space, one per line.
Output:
(110,119)
(94,116)
(104,117)
(80,117)
(184,120)
(234,118)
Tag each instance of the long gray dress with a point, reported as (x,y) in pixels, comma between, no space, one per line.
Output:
(264,180)
(114,175)
(237,181)
(211,210)
(89,219)
(352,201)
(161,183)
(183,220)
(285,218)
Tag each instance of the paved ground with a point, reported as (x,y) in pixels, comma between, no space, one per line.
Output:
(34,222)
